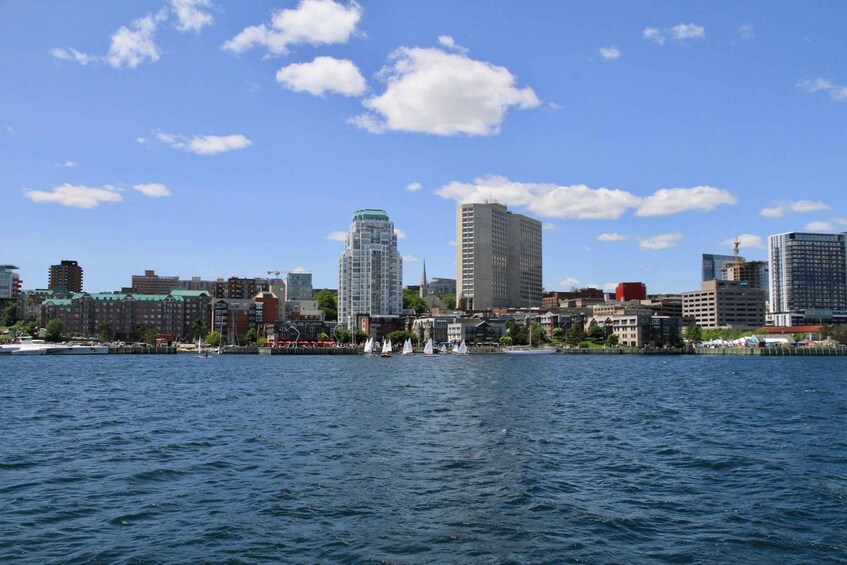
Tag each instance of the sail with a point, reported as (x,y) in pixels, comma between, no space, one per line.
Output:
(443,348)
(369,345)
(386,346)
(428,347)
(407,347)
(463,348)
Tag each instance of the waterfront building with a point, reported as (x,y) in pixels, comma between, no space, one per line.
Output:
(370,273)
(626,291)
(725,304)
(498,258)
(298,286)
(756,274)
(10,281)
(234,317)
(808,278)
(151,283)
(712,265)
(640,329)
(476,330)
(67,274)
(431,327)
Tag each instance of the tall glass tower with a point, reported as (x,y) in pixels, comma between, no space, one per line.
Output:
(370,270)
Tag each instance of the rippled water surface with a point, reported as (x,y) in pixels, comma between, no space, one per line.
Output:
(490,458)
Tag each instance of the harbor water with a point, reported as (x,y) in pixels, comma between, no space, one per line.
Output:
(448,459)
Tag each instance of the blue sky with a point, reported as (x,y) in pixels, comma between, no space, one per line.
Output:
(212,138)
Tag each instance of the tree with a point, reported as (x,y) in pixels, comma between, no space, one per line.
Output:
(693,333)
(199,328)
(449,301)
(612,340)
(213,339)
(596,334)
(54,331)
(328,302)
(324,336)
(104,330)
(412,300)
(539,334)
(251,336)
(342,335)
(401,336)
(149,337)
(838,333)
(359,335)
(505,340)
(558,334)
(575,334)
(9,315)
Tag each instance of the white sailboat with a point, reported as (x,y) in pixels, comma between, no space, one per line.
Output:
(428,348)
(407,347)
(443,348)
(462,349)
(386,348)
(200,352)
(369,346)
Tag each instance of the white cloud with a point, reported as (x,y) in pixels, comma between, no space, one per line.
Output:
(547,226)
(141,140)
(836,92)
(569,282)
(337,236)
(153,190)
(205,144)
(747,31)
(819,226)
(66,165)
(673,200)
(447,41)
(654,34)
(75,196)
(190,14)
(298,270)
(609,287)
(399,233)
(661,241)
(681,32)
(324,74)
(548,200)
(840,221)
(315,22)
(612,237)
(452,243)
(779,209)
(610,53)
(432,91)
(73,55)
(553,107)
(409,258)
(134,45)
(414,186)
(746,241)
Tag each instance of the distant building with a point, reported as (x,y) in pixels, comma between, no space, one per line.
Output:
(298,286)
(441,286)
(712,265)
(756,274)
(234,317)
(808,278)
(641,330)
(370,273)
(498,258)
(238,288)
(561,299)
(67,274)
(10,281)
(725,304)
(151,283)
(630,291)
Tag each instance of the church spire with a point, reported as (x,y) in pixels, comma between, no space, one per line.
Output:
(424,291)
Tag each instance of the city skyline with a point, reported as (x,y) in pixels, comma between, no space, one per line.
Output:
(207,138)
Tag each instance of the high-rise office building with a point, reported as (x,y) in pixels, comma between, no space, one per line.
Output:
(67,274)
(10,281)
(298,286)
(370,270)
(756,274)
(808,278)
(712,265)
(498,258)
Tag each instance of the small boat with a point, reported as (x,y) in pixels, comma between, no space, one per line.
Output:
(200,352)
(369,346)
(386,349)
(462,349)
(443,348)
(407,347)
(428,348)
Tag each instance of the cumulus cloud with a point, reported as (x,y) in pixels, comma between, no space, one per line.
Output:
(67,164)
(610,53)
(549,200)
(314,22)
(612,237)
(409,258)
(432,91)
(569,282)
(337,236)
(819,226)
(746,241)
(836,92)
(191,15)
(75,196)
(679,33)
(153,190)
(673,200)
(447,41)
(73,55)
(298,270)
(779,209)
(661,241)
(747,31)
(399,233)
(135,44)
(324,74)
(414,186)
(205,144)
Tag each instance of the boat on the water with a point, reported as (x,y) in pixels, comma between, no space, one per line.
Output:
(386,348)
(29,346)
(428,351)
(369,346)
(462,349)
(407,347)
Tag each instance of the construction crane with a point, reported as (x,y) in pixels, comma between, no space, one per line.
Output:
(274,273)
